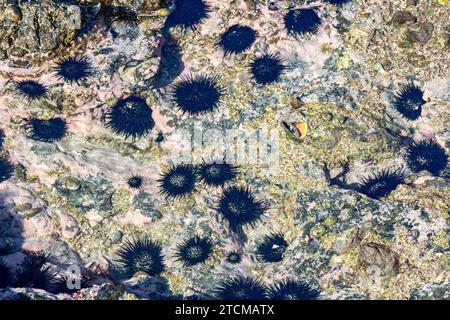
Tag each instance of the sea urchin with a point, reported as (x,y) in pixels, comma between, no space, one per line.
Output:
(239,206)
(272,248)
(292,290)
(135,181)
(141,254)
(46,130)
(237,39)
(197,95)
(382,183)
(178,181)
(188,14)
(337,2)
(216,174)
(241,288)
(302,21)
(31,90)
(74,69)
(5,275)
(194,250)
(6,169)
(130,117)
(267,69)
(409,101)
(427,155)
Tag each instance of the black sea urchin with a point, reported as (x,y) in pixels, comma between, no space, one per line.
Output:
(272,248)
(46,130)
(337,2)
(267,68)
(188,14)
(409,101)
(216,173)
(197,95)
(178,181)
(194,250)
(130,117)
(237,39)
(234,257)
(6,169)
(31,90)
(141,254)
(74,69)
(292,290)
(36,276)
(241,288)
(135,181)
(302,21)
(382,183)
(426,155)
(5,275)
(239,206)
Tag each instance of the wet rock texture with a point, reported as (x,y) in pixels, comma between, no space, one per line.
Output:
(70,198)
(35,27)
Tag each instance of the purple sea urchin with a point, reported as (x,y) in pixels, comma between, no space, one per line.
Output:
(130,117)
(6,275)
(188,14)
(337,2)
(272,248)
(31,90)
(381,183)
(178,181)
(241,288)
(6,169)
(141,254)
(292,290)
(427,155)
(267,68)
(74,69)
(135,181)
(240,208)
(46,130)
(194,250)
(302,21)
(409,101)
(197,95)
(216,174)
(237,39)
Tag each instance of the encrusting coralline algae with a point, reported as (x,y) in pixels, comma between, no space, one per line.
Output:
(114,160)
